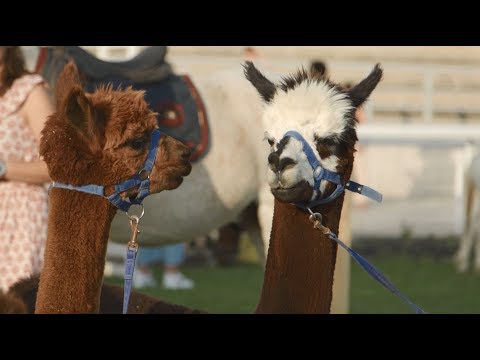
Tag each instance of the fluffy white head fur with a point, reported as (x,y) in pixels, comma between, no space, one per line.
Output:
(314,110)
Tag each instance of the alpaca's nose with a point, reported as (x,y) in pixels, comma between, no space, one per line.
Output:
(274,161)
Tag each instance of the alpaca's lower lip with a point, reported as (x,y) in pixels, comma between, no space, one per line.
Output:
(301,191)
(281,188)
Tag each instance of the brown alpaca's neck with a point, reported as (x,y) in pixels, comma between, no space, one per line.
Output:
(78,230)
(300,262)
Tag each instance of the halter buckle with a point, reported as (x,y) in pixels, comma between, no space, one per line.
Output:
(144,174)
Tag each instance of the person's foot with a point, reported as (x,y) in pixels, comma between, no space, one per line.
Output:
(143,279)
(177,280)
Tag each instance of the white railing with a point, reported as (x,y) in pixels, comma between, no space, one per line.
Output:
(419,134)
(463,136)
(428,73)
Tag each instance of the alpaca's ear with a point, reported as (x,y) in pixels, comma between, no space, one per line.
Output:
(89,123)
(360,92)
(68,78)
(265,87)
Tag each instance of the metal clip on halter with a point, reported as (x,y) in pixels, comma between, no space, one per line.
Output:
(134,221)
(133,244)
(316,218)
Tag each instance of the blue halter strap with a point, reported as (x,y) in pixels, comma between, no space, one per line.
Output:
(142,178)
(320,173)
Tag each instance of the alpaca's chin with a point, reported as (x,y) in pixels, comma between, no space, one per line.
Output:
(174,178)
(300,192)
(186,170)
(175,183)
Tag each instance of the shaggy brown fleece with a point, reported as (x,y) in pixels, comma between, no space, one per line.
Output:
(22,296)
(10,304)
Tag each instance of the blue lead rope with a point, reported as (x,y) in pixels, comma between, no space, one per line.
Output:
(374,272)
(132,249)
(129,267)
(319,174)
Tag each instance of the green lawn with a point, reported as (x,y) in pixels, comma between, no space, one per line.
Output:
(228,290)
(431,284)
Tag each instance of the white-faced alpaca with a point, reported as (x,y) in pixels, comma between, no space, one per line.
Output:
(310,124)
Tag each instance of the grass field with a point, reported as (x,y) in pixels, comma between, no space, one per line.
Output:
(430,283)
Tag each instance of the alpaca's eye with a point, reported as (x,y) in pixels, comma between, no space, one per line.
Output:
(137,144)
(271,141)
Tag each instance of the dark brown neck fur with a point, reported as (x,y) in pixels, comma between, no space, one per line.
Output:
(301,262)
(78,230)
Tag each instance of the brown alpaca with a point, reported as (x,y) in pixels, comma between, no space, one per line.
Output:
(100,138)
(301,260)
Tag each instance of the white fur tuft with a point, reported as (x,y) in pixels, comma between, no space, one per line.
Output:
(311,109)
(314,110)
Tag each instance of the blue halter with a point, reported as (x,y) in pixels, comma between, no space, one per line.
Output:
(320,173)
(138,179)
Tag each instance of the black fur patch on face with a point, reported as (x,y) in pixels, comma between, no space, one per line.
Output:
(326,146)
(281,145)
(339,146)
